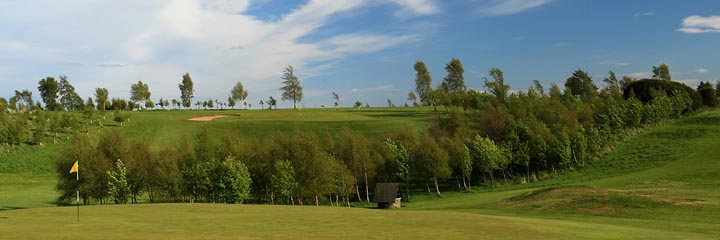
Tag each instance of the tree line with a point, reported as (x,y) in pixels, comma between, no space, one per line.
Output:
(487,139)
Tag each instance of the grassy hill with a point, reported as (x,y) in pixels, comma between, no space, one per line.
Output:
(661,183)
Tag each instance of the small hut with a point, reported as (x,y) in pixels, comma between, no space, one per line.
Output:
(388,195)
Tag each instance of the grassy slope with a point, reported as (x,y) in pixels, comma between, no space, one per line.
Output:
(660,183)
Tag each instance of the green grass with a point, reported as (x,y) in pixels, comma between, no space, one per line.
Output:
(663,182)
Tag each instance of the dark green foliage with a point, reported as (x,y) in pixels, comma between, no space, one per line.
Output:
(643,90)
(708,94)
(423,84)
(662,72)
(48,89)
(580,84)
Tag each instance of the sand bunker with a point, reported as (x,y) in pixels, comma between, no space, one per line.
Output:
(207,118)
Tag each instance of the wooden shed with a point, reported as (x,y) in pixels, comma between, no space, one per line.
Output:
(388,195)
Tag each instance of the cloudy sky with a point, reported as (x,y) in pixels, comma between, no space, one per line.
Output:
(362,49)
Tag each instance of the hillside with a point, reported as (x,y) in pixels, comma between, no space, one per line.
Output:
(659,183)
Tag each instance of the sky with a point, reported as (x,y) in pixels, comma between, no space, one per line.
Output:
(362,49)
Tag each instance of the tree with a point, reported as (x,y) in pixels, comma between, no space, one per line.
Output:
(486,155)
(186,90)
(661,72)
(497,88)
(358,104)
(717,87)
(231,102)
(401,158)
(234,181)
(22,100)
(69,99)
(423,82)
(119,189)
(238,93)
(454,82)
(140,92)
(580,84)
(708,94)
(412,98)
(48,89)
(89,109)
(283,180)
(291,87)
(271,102)
(432,161)
(336,97)
(262,104)
(101,98)
(389,102)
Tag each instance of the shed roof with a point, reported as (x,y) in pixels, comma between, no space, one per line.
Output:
(386,192)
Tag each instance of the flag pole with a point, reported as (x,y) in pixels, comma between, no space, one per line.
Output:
(77,179)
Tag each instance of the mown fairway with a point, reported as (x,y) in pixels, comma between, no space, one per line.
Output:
(661,183)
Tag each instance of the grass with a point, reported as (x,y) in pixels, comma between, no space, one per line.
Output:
(659,183)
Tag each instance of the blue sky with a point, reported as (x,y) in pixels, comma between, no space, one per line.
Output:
(362,49)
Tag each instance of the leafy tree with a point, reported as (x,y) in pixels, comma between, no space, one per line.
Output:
(291,87)
(539,87)
(423,82)
(69,99)
(262,104)
(186,90)
(336,97)
(389,102)
(708,94)
(140,92)
(580,84)
(412,98)
(48,89)
(271,102)
(138,169)
(238,93)
(231,102)
(89,109)
(401,157)
(661,72)
(486,155)
(101,98)
(613,85)
(283,180)
(22,100)
(717,88)
(118,186)
(358,104)
(432,161)
(234,181)
(3,105)
(497,88)
(454,82)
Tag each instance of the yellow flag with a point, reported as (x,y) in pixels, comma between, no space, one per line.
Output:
(74,167)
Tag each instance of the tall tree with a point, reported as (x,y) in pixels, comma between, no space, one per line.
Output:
(708,94)
(454,82)
(662,72)
(291,87)
(423,82)
(580,84)
(101,98)
(186,90)
(140,92)
(271,102)
(497,88)
(539,87)
(238,93)
(432,161)
(69,99)
(48,89)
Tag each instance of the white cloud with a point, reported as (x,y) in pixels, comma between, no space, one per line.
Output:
(700,71)
(509,7)
(639,75)
(690,82)
(644,14)
(417,7)
(617,63)
(114,43)
(698,24)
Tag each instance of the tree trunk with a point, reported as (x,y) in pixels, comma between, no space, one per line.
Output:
(407,190)
(367,188)
(357,190)
(292,201)
(437,188)
(427,184)
(458,182)
(465,183)
(492,180)
(317,203)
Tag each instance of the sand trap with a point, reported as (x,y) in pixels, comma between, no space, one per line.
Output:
(207,118)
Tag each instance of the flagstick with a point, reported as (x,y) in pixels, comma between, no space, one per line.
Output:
(77,174)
